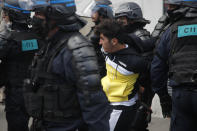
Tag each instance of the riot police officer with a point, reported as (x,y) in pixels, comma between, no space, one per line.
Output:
(102,10)
(64,91)
(163,24)
(130,15)
(17,48)
(165,21)
(176,60)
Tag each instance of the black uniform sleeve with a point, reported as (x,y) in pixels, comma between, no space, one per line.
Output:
(159,74)
(4,50)
(93,102)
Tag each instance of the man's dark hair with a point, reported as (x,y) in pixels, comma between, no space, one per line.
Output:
(111,29)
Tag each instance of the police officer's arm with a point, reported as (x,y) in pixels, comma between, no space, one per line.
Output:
(93,102)
(4,50)
(159,66)
(94,106)
(159,73)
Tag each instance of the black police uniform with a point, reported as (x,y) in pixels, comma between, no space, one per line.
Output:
(178,52)
(65,90)
(163,24)
(16,52)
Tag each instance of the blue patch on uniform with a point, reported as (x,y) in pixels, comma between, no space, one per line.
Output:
(187,30)
(28,45)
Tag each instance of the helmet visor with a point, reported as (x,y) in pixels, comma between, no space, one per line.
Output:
(32,4)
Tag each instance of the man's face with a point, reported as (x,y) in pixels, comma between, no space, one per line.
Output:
(39,24)
(171,7)
(123,20)
(5,17)
(95,17)
(106,43)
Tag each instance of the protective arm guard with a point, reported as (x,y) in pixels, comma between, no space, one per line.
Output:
(85,64)
(159,28)
(93,102)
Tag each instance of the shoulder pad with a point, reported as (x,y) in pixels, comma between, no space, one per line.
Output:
(77,41)
(143,34)
(163,19)
(162,23)
(85,61)
(191,13)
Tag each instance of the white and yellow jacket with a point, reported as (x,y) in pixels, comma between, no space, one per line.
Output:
(123,68)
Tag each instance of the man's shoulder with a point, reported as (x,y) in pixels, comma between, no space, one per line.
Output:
(128,55)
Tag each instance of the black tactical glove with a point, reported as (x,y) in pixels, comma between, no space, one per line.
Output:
(37,125)
(166,105)
(141,118)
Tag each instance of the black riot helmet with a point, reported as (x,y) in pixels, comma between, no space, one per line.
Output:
(62,11)
(15,12)
(103,8)
(132,11)
(169,2)
(190,3)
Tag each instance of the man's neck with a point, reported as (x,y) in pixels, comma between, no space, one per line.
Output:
(119,47)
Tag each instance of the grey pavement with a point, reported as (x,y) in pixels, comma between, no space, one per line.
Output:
(3,124)
(157,124)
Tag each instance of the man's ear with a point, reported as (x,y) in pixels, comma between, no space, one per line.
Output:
(114,41)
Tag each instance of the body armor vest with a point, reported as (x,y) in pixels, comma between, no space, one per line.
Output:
(166,22)
(48,96)
(183,51)
(143,34)
(22,47)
